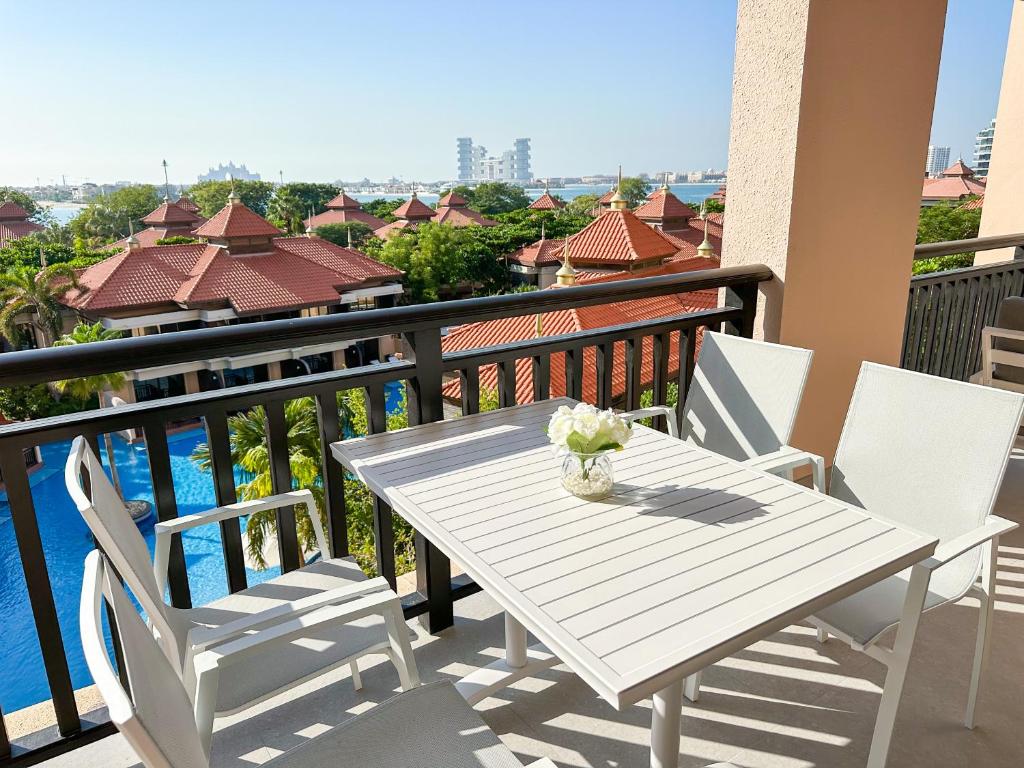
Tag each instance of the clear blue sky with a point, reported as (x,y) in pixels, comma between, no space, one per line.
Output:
(327,90)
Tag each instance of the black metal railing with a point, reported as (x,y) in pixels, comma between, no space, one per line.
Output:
(423,370)
(946,311)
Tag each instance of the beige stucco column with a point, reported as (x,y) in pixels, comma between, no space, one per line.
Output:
(829,97)
(1003,213)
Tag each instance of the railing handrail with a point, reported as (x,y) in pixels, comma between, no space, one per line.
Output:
(932,278)
(52,364)
(949,247)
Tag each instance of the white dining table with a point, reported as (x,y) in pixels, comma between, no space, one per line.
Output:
(693,557)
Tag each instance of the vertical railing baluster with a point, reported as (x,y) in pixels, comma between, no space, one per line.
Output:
(37,582)
(660,351)
(634,371)
(540,369)
(574,373)
(433,569)
(383,519)
(154,431)
(605,369)
(687,345)
(5,742)
(219,441)
(469,386)
(506,383)
(281,482)
(963,340)
(333,475)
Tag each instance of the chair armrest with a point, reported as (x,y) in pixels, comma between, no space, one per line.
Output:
(544,762)
(992,529)
(787,458)
(285,632)
(655,410)
(1002,333)
(166,529)
(201,638)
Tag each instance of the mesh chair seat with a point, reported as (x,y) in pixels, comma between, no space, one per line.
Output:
(428,726)
(867,614)
(265,673)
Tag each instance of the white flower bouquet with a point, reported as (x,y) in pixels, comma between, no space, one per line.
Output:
(585,436)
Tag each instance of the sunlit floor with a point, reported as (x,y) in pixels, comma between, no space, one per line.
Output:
(787,701)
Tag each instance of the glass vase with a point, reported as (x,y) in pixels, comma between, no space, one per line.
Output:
(588,475)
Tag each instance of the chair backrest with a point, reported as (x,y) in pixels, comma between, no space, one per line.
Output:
(929,453)
(745,395)
(117,534)
(1010,316)
(156,716)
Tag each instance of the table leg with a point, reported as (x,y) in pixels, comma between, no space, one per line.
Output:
(515,642)
(665,716)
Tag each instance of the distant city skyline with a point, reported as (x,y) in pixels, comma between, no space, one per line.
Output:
(320,102)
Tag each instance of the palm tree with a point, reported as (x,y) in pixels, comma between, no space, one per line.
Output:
(248,432)
(102,384)
(25,290)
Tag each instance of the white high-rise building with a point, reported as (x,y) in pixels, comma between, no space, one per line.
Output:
(938,160)
(512,165)
(983,149)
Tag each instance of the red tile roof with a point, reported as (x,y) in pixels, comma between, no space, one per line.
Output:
(959,168)
(13,230)
(385,231)
(343,202)
(477,335)
(719,194)
(236,220)
(413,209)
(974,205)
(150,235)
(663,206)
(170,213)
(619,237)
(452,200)
(186,204)
(546,203)
(11,211)
(951,188)
(459,216)
(299,272)
(607,196)
(344,216)
(541,253)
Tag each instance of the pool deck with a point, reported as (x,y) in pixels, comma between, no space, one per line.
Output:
(786,702)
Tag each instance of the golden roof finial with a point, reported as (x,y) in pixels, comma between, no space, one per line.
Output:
(705,249)
(565,275)
(618,202)
(664,187)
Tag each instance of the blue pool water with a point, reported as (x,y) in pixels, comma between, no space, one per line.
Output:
(66,542)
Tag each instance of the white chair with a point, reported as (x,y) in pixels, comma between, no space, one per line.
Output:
(1002,348)
(341,613)
(430,725)
(928,453)
(743,403)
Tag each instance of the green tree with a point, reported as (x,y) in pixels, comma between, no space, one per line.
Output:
(103,385)
(35,292)
(582,205)
(310,196)
(942,222)
(436,258)
(26,202)
(339,233)
(107,218)
(382,208)
(36,401)
(178,240)
(493,197)
(25,252)
(635,190)
(714,206)
(211,196)
(286,211)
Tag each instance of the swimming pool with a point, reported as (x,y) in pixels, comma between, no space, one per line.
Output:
(66,542)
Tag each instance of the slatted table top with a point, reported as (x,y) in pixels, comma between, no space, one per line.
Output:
(693,557)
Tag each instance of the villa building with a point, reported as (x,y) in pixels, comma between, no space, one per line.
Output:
(955,183)
(166,221)
(546,202)
(244,271)
(619,240)
(343,210)
(451,209)
(14,223)
(508,330)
